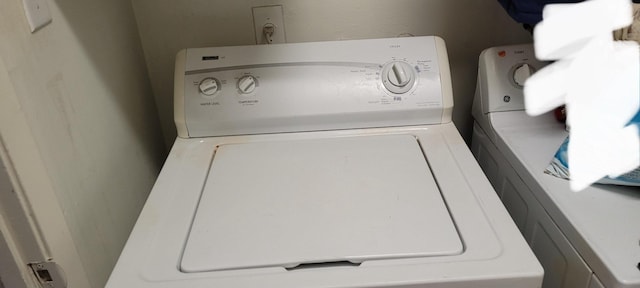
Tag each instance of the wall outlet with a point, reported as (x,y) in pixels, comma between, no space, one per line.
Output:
(37,12)
(269,18)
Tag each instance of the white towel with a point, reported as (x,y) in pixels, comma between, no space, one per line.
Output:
(631,32)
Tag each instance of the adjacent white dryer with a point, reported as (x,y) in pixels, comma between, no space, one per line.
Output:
(331,164)
(585,239)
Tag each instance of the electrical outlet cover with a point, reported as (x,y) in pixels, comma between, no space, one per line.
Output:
(269,15)
(37,12)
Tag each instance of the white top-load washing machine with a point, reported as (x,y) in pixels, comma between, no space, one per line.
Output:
(330,164)
(583,239)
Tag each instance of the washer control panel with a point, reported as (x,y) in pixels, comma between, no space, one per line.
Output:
(312,86)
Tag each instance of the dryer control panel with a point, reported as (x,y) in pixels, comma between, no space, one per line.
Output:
(299,87)
(501,75)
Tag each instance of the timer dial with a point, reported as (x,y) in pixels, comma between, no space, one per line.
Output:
(398,77)
(521,73)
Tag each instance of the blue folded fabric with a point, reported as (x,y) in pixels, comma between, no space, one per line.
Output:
(636,119)
(529,11)
(559,165)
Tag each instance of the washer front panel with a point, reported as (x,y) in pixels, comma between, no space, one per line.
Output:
(287,203)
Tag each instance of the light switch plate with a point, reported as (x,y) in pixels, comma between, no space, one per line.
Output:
(37,12)
(269,15)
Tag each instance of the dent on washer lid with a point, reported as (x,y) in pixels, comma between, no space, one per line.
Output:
(283,204)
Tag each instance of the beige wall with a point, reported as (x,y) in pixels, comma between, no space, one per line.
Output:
(79,124)
(468,26)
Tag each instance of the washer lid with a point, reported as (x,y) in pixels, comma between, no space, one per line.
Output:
(283,204)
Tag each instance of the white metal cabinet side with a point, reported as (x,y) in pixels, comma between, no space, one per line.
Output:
(484,153)
(595,282)
(563,265)
(567,269)
(564,268)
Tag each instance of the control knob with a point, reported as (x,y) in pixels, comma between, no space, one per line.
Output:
(247,84)
(521,73)
(398,77)
(208,86)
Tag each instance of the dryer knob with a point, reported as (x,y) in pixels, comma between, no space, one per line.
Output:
(208,86)
(521,73)
(247,84)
